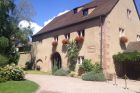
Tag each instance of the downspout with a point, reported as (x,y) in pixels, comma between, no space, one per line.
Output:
(101,42)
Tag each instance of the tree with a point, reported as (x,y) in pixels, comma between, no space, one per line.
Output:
(10,15)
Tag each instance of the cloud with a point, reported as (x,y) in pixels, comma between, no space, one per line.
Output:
(59,14)
(34,26)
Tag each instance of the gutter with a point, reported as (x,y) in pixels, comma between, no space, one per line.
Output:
(101,41)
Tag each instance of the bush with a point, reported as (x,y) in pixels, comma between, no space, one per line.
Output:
(127,57)
(12,72)
(61,72)
(87,65)
(93,76)
(97,68)
(72,74)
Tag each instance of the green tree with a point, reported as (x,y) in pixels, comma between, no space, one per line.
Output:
(9,30)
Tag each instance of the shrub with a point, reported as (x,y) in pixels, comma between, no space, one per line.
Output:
(97,68)
(93,76)
(61,72)
(127,57)
(87,65)
(12,72)
(72,74)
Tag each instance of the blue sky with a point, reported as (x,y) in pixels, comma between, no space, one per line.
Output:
(46,10)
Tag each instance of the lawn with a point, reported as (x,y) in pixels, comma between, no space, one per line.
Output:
(18,87)
(36,72)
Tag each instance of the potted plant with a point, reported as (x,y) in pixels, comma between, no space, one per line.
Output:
(54,43)
(123,39)
(79,39)
(65,41)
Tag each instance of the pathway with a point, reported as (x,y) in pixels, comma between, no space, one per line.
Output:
(60,84)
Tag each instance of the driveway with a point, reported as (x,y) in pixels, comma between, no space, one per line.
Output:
(60,84)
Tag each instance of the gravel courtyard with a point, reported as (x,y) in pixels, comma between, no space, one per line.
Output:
(60,84)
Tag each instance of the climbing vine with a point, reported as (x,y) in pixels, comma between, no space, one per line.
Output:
(72,54)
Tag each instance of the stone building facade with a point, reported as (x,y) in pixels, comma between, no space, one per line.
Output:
(102,23)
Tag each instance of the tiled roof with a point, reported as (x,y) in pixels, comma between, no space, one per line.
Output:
(102,7)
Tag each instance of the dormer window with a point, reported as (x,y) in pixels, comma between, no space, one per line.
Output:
(56,38)
(67,36)
(85,12)
(129,13)
(138,37)
(121,32)
(75,10)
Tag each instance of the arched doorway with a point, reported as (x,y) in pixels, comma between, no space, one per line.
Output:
(56,60)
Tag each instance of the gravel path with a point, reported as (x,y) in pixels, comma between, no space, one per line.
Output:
(59,84)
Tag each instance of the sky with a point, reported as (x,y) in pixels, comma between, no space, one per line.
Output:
(46,10)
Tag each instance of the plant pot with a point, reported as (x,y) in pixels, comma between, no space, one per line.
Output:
(79,39)
(54,43)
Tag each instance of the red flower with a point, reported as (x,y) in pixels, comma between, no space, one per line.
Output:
(65,41)
(54,43)
(123,39)
(79,39)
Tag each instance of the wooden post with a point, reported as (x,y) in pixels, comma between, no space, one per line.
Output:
(125,79)
(115,80)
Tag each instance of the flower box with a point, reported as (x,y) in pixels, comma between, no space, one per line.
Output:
(54,43)
(79,39)
(123,39)
(65,41)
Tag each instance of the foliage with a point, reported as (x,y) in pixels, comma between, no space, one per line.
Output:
(93,76)
(87,65)
(12,72)
(97,68)
(10,34)
(61,72)
(55,68)
(72,54)
(18,87)
(3,60)
(127,57)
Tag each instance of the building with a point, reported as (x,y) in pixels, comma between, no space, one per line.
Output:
(105,26)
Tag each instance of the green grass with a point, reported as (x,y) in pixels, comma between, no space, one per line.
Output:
(36,72)
(18,87)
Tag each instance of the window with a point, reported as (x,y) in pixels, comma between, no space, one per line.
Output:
(129,13)
(75,10)
(85,12)
(81,33)
(56,38)
(138,37)
(80,59)
(67,36)
(121,31)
